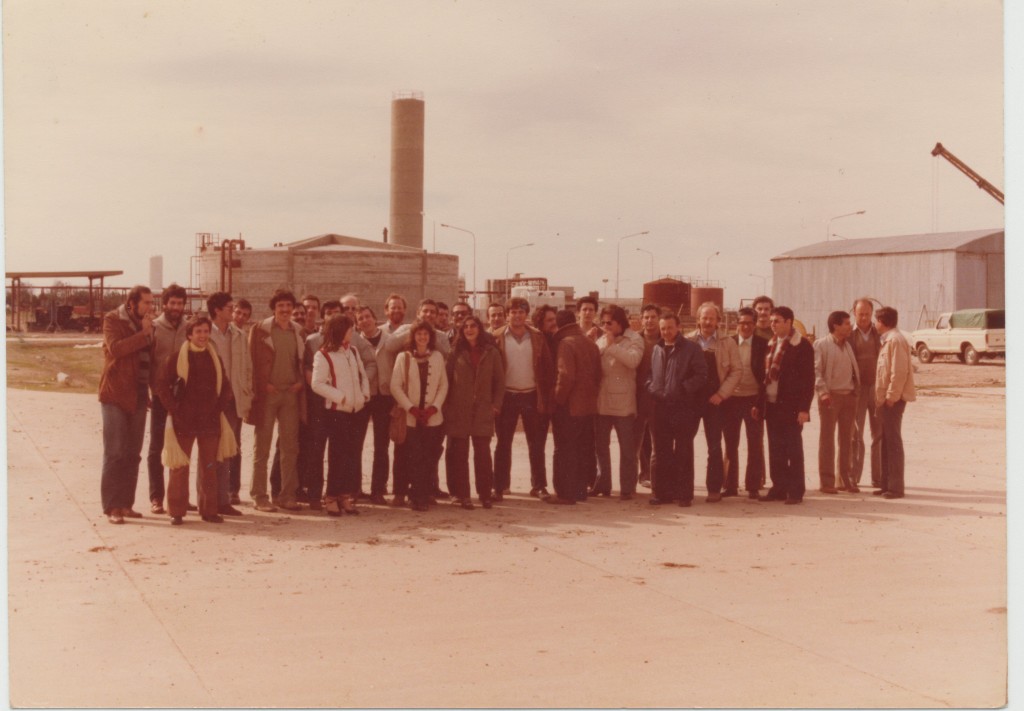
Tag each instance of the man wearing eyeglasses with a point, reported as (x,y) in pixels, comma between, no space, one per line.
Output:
(785,403)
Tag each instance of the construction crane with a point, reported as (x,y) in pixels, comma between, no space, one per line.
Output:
(988,187)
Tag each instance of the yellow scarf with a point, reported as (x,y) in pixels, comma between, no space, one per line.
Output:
(173,456)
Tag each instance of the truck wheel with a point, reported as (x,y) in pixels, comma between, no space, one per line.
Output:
(960,357)
(971,356)
(923,354)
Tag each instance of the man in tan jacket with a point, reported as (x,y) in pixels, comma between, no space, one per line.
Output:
(894,388)
(722,356)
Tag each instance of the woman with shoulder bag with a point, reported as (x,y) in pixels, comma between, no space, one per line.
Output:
(419,385)
(476,388)
(340,379)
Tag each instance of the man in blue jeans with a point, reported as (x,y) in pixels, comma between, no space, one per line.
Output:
(124,394)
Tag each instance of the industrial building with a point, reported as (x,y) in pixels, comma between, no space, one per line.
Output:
(329,266)
(921,276)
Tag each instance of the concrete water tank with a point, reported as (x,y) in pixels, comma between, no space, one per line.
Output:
(407,120)
(668,293)
(702,294)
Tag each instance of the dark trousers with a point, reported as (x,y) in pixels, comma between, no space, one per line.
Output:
(311,470)
(344,450)
(421,452)
(858,453)
(362,424)
(573,437)
(235,462)
(674,429)
(518,405)
(624,428)
(785,453)
(206,477)
(892,446)
(123,433)
(379,409)
(736,412)
(711,416)
(643,440)
(838,414)
(154,466)
(457,467)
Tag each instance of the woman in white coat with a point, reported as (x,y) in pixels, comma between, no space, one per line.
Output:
(339,378)
(419,385)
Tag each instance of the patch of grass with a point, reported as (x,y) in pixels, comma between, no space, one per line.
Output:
(33,365)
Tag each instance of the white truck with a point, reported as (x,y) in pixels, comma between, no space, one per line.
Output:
(971,334)
(540,297)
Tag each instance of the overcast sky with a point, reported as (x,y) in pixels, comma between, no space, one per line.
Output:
(736,127)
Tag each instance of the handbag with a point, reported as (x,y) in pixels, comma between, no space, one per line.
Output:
(398,427)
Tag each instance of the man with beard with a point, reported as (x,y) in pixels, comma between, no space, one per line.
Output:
(168,337)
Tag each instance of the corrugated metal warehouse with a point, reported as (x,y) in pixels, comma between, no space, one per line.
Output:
(329,266)
(920,276)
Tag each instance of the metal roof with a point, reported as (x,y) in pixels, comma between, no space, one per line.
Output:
(345,243)
(59,275)
(940,242)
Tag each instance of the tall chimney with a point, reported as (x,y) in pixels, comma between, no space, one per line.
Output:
(407,117)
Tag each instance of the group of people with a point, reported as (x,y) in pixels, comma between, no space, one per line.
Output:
(320,373)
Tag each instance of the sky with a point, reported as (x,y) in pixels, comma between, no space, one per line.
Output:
(734,129)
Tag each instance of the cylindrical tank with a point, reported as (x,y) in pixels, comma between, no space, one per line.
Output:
(702,294)
(407,120)
(667,293)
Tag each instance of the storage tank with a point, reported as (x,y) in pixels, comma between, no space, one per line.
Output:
(406,215)
(702,294)
(668,293)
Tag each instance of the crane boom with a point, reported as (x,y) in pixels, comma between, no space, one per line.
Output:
(988,187)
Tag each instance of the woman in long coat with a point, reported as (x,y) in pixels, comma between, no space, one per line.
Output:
(476,387)
(195,391)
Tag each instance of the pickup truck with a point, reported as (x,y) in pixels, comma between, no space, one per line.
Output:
(971,335)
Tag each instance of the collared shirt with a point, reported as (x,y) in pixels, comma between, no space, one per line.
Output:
(707,344)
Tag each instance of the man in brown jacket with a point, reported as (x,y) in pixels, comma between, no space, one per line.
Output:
(577,381)
(124,396)
(279,395)
(529,372)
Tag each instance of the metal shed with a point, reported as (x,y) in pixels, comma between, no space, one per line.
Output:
(329,266)
(920,276)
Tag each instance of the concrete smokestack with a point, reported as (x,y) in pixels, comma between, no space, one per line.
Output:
(156,274)
(407,118)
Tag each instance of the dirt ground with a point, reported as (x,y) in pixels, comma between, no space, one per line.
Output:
(844,601)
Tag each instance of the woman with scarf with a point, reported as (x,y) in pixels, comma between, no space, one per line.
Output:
(339,378)
(476,387)
(419,385)
(195,391)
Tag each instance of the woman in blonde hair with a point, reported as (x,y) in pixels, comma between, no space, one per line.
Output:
(195,391)
(339,378)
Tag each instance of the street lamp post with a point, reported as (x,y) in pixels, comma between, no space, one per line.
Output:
(828,225)
(452,227)
(707,266)
(764,282)
(641,249)
(618,258)
(518,246)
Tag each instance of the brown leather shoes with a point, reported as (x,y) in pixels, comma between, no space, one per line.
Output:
(130,513)
(714,498)
(115,516)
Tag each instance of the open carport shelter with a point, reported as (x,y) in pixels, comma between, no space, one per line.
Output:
(921,276)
